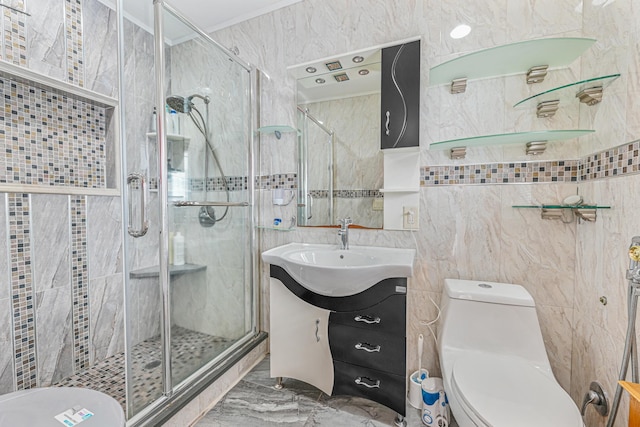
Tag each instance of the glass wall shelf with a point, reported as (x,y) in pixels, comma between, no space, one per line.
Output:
(171,137)
(560,207)
(277,130)
(566,93)
(510,138)
(512,58)
(174,270)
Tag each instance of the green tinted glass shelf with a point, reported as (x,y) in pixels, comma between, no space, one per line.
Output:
(560,207)
(567,92)
(513,58)
(510,138)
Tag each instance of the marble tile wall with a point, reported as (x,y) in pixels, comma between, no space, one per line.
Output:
(471,231)
(57,141)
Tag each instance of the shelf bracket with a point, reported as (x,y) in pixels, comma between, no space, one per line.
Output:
(536,147)
(588,215)
(565,215)
(537,74)
(547,108)
(591,95)
(458,153)
(458,85)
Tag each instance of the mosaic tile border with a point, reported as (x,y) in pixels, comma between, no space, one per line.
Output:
(48,138)
(22,292)
(346,194)
(79,281)
(621,160)
(14,35)
(74,41)
(283,180)
(500,173)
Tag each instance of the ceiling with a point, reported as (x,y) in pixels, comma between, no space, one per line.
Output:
(209,15)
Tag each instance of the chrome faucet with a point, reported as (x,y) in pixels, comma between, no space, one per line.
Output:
(344,232)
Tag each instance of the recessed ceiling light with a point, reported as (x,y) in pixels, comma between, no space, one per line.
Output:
(357,59)
(363,72)
(320,81)
(342,77)
(311,70)
(460,31)
(332,66)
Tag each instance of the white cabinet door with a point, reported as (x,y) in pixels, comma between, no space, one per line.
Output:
(299,339)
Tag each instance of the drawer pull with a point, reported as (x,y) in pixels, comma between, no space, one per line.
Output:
(360,381)
(367,319)
(367,347)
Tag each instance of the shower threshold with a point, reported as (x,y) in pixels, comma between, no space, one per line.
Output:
(190,350)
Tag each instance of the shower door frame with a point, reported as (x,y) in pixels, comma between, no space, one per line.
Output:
(175,395)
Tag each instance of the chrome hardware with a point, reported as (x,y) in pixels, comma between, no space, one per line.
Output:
(547,108)
(367,319)
(458,153)
(310,206)
(144,223)
(537,74)
(633,273)
(596,397)
(278,385)
(458,85)
(536,147)
(317,330)
(588,215)
(367,347)
(591,95)
(360,381)
(386,125)
(194,203)
(344,232)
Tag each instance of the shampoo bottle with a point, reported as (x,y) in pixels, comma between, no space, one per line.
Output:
(178,249)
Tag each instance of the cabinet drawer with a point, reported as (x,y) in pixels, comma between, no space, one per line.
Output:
(371,349)
(382,387)
(388,316)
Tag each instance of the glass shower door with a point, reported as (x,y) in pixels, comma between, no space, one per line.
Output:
(208,198)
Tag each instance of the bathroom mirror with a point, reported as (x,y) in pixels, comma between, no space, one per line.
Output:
(340,161)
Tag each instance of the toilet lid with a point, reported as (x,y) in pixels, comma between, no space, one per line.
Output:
(39,407)
(507,392)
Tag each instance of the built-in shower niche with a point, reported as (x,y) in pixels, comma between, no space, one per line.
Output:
(77,144)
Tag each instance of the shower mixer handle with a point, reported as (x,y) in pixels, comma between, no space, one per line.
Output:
(633,273)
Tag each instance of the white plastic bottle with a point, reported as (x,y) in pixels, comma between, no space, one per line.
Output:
(178,249)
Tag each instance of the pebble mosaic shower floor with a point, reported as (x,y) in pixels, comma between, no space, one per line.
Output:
(190,349)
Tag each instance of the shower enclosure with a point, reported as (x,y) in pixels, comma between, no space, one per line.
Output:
(189,258)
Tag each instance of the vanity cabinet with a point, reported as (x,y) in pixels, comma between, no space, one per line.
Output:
(353,345)
(400,96)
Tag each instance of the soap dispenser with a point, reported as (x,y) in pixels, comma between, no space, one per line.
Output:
(178,249)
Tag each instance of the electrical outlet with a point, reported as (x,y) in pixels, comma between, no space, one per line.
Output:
(410,217)
(378,204)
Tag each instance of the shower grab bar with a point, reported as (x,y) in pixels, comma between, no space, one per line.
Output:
(194,203)
(144,222)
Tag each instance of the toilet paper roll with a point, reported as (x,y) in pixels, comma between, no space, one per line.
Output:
(415,387)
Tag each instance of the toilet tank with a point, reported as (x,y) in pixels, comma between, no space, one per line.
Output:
(490,317)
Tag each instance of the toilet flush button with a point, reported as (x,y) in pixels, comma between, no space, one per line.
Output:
(485,286)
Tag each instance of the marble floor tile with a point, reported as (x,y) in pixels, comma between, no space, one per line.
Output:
(253,402)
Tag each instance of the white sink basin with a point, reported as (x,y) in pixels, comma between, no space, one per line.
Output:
(329,271)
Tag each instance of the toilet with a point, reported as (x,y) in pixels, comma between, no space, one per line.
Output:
(59,407)
(494,365)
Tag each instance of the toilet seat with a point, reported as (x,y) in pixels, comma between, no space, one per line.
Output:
(508,391)
(38,407)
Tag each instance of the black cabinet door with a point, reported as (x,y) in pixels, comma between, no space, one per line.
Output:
(400,96)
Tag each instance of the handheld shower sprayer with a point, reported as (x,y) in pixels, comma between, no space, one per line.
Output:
(184,105)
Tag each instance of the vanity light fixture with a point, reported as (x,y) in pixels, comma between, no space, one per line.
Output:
(363,72)
(357,59)
(335,65)
(311,70)
(342,77)
(320,81)
(460,31)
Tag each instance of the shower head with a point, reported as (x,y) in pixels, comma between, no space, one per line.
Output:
(179,103)
(184,105)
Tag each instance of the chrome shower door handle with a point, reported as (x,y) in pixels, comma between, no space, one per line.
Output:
(310,211)
(144,222)
(386,125)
